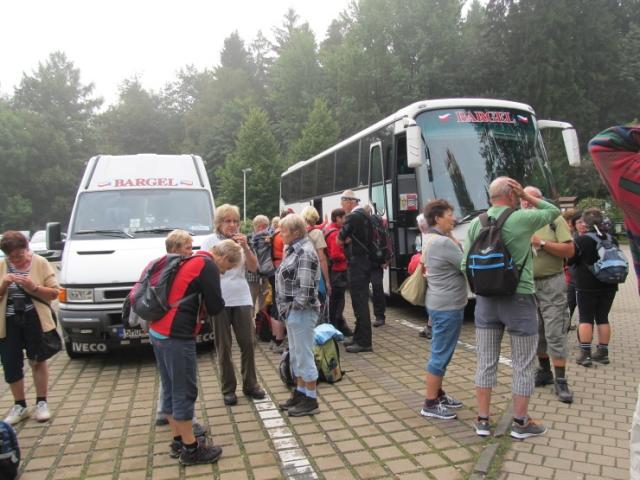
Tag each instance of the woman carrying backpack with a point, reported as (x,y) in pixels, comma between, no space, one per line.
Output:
(594,297)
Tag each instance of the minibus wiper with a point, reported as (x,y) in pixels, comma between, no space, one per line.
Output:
(118,233)
(470,216)
(159,230)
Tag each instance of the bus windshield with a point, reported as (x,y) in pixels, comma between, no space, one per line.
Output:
(143,212)
(469,147)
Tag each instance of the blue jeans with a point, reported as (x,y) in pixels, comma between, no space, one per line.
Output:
(176,360)
(446,326)
(300,325)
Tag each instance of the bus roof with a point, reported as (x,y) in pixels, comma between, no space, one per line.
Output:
(412,111)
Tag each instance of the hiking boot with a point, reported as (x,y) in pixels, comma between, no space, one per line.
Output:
(306,406)
(482,427)
(17,414)
(543,377)
(379,322)
(161,419)
(203,454)
(348,343)
(437,411)
(346,331)
(529,429)
(562,390)
(230,398)
(41,411)
(175,448)
(601,355)
(355,348)
(296,397)
(584,358)
(449,402)
(256,393)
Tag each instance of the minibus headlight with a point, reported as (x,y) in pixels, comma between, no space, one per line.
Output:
(79,295)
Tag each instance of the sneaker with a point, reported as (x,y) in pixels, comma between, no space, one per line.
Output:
(601,355)
(355,348)
(482,427)
(529,429)
(17,414)
(306,406)
(279,349)
(175,449)
(379,322)
(437,411)
(562,390)
(42,411)
(296,397)
(449,402)
(161,419)
(543,377)
(199,430)
(256,393)
(584,358)
(203,454)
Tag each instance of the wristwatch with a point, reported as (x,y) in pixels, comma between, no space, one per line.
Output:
(542,244)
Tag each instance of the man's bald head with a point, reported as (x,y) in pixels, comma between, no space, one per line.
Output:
(534,192)
(501,193)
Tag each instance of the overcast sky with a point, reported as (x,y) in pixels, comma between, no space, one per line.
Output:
(111,40)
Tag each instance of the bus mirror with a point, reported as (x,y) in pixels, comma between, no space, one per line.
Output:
(416,156)
(569,137)
(54,236)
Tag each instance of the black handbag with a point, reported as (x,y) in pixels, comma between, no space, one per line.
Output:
(51,342)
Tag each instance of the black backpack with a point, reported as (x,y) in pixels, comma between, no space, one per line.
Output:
(284,369)
(9,452)
(262,248)
(381,250)
(490,268)
(149,298)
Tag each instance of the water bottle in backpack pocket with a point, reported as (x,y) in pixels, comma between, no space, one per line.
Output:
(9,452)
(612,266)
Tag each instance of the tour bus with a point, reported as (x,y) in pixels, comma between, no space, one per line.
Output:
(124,209)
(444,148)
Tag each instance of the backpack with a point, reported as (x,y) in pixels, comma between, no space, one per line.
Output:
(490,268)
(381,250)
(284,369)
(612,266)
(263,326)
(9,452)
(327,358)
(149,297)
(262,249)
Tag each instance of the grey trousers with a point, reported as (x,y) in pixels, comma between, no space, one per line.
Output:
(241,320)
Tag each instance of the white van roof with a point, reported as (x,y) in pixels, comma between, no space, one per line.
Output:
(144,170)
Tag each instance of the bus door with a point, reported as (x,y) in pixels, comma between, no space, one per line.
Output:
(378,193)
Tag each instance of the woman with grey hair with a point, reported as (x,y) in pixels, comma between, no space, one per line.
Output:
(297,296)
(594,297)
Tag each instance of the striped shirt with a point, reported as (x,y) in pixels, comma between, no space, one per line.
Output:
(16,294)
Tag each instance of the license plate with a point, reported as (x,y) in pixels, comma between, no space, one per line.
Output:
(132,333)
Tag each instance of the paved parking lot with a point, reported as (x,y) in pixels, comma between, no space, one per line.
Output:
(103,412)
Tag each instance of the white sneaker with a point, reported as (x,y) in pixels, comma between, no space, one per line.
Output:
(17,414)
(42,412)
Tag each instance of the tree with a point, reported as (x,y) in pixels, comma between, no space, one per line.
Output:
(55,91)
(320,132)
(138,124)
(256,148)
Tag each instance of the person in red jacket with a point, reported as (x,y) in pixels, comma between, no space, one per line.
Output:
(173,338)
(337,271)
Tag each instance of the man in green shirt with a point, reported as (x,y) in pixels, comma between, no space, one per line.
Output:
(552,244)
(516,313)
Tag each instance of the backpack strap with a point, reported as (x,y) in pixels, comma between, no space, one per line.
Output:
(503,217)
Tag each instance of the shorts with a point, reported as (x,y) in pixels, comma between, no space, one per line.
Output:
(176,361)
(20,336)
(517,313)
(446,331)
(554,316)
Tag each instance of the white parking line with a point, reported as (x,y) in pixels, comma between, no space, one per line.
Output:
(467,346)
(293,459)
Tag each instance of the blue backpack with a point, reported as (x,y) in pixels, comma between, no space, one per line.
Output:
(612,266)
(9,452)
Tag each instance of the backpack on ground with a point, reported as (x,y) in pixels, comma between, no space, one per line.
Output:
(327,358)
(612,266)
(9,452)
(490,268)
(263,326)
(284,369)
(149,299)
(381,249)
(262,248)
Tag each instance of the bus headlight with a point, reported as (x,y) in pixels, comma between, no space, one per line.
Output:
(79,295)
